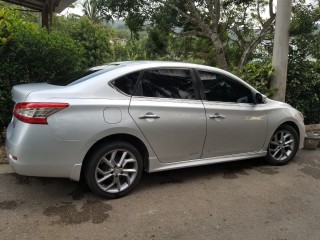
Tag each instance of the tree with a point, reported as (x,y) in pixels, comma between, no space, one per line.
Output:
(303,81)
(29,53)
(94,38)
(215,20)
(93,10)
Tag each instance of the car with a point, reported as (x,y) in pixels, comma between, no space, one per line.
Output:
(110,123)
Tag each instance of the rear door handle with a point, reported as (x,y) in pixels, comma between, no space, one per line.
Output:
(152,116)
(217,116)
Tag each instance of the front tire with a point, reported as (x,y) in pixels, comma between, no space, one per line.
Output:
(114,169)
(283,146)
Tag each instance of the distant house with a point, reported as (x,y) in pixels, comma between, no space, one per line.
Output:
(120,41)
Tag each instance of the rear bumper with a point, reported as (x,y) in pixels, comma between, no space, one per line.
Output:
(33,150)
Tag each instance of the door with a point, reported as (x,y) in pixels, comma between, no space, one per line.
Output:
(235,125)
(167,110)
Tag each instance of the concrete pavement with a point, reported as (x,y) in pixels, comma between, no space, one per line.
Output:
(239,200)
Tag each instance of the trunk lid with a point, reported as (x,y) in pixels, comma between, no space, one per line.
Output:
(21,92)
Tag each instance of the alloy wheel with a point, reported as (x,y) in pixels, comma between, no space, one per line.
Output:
(281,145)
(116,171)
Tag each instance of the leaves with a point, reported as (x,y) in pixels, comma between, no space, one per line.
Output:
(29,53)
(259,75)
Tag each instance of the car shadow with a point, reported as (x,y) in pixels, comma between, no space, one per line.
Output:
(59,188)
(228,170)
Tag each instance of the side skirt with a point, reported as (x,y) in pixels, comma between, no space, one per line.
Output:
(155,165)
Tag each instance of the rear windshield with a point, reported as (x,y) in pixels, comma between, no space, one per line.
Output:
(81,76)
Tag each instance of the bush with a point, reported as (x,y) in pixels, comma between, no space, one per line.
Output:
(303,88)
(259,74)
(31,54)
(94,39)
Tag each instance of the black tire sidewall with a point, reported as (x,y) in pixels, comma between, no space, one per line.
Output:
(93,160)
(290,129)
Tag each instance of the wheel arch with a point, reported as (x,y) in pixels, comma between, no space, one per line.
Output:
(135,141)
(291,124)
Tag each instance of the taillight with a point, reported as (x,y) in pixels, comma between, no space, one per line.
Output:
(36,113)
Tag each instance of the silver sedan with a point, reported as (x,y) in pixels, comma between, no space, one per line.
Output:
(110,123)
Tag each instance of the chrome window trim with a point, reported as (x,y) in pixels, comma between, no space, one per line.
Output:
(227,103)
(158,99)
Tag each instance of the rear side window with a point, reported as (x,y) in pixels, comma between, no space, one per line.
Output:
(126,83)
(166,83)
(220,88)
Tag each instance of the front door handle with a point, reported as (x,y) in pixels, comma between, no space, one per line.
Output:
(152,116)
(217,116)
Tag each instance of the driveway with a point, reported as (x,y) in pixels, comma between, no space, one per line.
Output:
(239,200)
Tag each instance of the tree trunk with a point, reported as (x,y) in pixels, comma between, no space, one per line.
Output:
(281,49)
(246,53)
(221,56)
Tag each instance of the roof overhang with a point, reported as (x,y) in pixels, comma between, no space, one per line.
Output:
(39,5)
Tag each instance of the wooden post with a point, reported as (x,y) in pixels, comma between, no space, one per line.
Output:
(45,17)
(51,12)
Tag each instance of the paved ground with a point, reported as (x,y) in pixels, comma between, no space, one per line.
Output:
(242,200)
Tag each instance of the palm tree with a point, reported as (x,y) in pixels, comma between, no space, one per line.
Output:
(92,10)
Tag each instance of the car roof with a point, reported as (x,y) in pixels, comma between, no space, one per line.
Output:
(150,64)
(147,64)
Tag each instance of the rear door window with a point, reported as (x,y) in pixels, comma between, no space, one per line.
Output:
(166,83)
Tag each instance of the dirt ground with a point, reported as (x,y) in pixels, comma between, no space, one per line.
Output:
(239,200)
(3,157)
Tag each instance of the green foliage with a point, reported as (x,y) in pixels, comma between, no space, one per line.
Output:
(93,11)
(238,26)
(95,40)
(303,89)
(32,54)
(162,44)
(303,82)
(135,50)
(7,22)
(259,74)
(157,42)
(305,36)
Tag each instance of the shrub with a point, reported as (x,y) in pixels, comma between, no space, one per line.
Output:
(31,54)
(303,88)
(259,74)
(94,39)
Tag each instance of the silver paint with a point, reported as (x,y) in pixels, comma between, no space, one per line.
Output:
(176,133)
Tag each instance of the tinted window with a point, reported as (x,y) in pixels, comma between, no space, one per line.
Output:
(167,83)
(126,83)
(80,76)
(223,89)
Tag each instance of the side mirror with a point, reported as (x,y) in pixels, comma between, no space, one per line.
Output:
(259,98)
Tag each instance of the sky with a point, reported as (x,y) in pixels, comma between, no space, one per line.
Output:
(77,10)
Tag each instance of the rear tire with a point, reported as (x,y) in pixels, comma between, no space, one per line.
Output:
(113,170)
(283,145)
